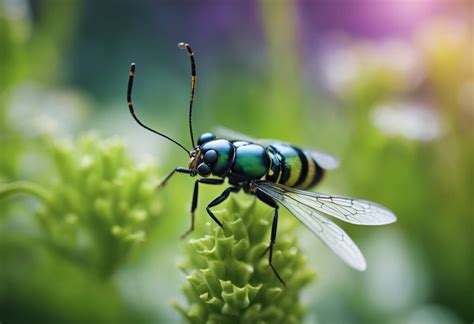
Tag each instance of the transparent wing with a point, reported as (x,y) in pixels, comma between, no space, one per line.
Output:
(325,160)
(350,210)
(231,134)
(329,233)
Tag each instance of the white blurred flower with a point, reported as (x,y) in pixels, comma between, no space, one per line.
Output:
(36,110)
(408,119)
(339,67)
(402,59)
(343,62)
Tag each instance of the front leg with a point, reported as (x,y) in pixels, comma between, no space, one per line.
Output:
(179,170)
(195,199)
(224,195)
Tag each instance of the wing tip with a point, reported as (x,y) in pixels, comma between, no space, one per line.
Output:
(336,163)
(391,218)
(361,265)
(325,160)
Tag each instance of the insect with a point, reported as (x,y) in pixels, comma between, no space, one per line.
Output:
(277,174)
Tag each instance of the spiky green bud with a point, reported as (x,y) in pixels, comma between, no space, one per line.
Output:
(228,279)
(97,205)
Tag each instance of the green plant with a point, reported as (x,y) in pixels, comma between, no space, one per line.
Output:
(228,279)
(97,206)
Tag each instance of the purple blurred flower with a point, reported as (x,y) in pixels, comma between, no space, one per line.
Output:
(369,18)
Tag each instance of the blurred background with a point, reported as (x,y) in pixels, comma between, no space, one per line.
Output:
(387,86)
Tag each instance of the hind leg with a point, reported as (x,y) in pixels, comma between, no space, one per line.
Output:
(270,202)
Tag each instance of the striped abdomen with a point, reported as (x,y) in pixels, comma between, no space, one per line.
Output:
(293,167)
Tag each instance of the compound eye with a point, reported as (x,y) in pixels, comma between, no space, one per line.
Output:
(206,137)
(203,169)
(210,157)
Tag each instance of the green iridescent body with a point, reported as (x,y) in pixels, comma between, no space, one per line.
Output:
(251,162)
(243,161)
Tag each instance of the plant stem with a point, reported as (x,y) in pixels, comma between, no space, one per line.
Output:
(25,187)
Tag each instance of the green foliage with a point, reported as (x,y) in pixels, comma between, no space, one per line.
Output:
(228,279)
(97,206)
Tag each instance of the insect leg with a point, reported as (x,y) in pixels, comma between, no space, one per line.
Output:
(195,200)
(270,202)
(179,169)
(224,195)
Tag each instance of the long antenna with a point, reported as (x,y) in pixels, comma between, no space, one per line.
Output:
(130,107)
(185,46)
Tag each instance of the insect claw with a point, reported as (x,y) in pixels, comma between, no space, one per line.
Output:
(278,276)
(273,268)
(183,236)
(265,251)
(161,185)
